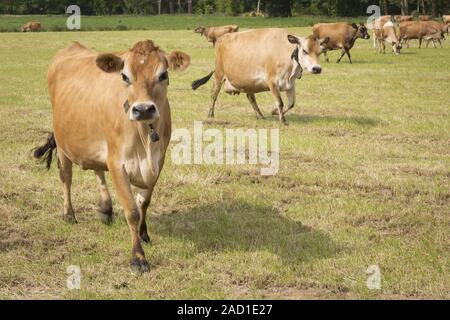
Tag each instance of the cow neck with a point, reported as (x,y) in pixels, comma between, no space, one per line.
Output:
(148,134)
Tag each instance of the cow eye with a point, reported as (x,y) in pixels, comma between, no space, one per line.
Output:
(164,76)
(126,79)
(305,52)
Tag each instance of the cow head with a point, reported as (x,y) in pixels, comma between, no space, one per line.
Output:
(396,47)
(308,52)
(361,31)
(144,71)
(200,30)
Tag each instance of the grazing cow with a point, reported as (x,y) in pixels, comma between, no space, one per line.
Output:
(400,19)
(262,60)
(212,34)
(341,36)
(378,25)
(419,30)
(437,36)
(446,19)
(31,26)
(111,113)
(424,18)
(387,34)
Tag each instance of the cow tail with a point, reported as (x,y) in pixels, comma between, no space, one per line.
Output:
(198,83)
(44,153)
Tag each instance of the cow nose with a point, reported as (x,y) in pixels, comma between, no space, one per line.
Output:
(144,108)
(316,70)
(143,111)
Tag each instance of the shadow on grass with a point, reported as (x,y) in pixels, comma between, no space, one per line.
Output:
(245,227)
(357,120)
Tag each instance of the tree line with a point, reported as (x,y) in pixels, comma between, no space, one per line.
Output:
(285,8)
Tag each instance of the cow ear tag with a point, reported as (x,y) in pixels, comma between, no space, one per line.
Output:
(154,136)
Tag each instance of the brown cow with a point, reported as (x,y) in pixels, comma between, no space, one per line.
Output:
(31,26)
(378,25)
(212,34)
(111,113)
(437,36)
(262,60)
(419,30)
(424,18)
(400,19)
(387,34)
(341,36)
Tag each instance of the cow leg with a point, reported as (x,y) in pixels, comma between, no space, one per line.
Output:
(105,210)
(420,43)
(291,99)
(143,201)
(217,86)
(65,174)
(251,97)
(278,100)
(347,51)
(122,185)
(342,55)
(325,53)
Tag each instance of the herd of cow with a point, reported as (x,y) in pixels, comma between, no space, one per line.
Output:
(111,111)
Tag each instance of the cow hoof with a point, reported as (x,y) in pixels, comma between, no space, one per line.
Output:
(139,267)
(145,238)
(275,112)
(70,218)
(105,217)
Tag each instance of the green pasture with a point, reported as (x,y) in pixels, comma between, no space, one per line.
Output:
(364,180)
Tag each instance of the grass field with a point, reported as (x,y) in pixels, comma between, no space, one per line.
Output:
(364,180)
(9,23)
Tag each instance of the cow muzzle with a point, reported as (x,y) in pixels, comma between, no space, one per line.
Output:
(316,70)
(144,112)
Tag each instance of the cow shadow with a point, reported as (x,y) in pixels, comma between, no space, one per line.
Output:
(241,226)
(356,120)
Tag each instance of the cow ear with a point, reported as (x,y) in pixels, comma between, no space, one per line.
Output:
(109,62)
(354,26)
(178,61)
(293,39)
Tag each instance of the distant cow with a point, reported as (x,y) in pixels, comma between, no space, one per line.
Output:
(387,34)
(262,60)
(419,30)
(446,19)
(31,26)
(424,18)
(111,113)
(400,19)
(341,36)
(378,25)
(212,34)
(444,28)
